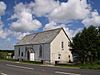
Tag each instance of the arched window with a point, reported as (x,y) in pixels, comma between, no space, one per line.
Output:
(40,51)
(19,51)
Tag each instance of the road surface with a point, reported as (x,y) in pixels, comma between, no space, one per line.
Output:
(11,68)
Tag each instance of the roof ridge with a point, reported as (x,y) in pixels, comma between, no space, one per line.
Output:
(42,32)
(46,31)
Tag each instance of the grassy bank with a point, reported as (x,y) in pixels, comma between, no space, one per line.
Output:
(81,66)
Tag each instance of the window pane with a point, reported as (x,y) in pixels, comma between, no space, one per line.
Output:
(62,44)
(40,51)
(22,54)
(19,51)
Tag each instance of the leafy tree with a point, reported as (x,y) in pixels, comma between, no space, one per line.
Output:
(86,44)
(98,44)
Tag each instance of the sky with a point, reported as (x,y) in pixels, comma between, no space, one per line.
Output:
(22,17)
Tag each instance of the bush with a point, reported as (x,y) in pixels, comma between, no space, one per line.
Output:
(3,55)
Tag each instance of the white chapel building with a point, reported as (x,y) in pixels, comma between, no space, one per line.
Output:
(49,46)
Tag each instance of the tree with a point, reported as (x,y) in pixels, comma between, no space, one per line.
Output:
(86,45)
(98,45)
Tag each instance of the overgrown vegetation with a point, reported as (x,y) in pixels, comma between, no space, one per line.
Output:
(86,45)
(4,54)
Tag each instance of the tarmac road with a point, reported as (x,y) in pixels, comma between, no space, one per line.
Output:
(12,68)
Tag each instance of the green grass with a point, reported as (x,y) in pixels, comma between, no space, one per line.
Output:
(9,60)
(81,66)
(68,65)
(32,62)
(90,66)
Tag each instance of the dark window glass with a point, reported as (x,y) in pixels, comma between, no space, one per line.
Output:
(40,51)
(69,56)
(58,57)
(62,45)
(19,51)
(22,54)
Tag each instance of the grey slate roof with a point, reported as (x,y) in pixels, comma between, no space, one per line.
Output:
(41,37)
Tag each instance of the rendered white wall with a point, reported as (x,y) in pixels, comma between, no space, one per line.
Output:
(56,48)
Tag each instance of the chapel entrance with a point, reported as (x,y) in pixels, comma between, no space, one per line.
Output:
(30,54)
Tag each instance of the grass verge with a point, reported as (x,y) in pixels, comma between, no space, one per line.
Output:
(68,65)
(30,62)
(90,66)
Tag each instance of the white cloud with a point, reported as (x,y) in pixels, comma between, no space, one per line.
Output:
(2,8)
(22,35)
(3,34)
(25,22)
(94,19)
(71,33)
(66,11)
(71,10)
(17,35)
(53,25)
(24,26)
(44,7)
(22,7)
